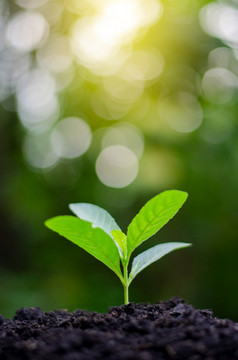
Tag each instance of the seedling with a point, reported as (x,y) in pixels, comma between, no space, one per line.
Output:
(96,231)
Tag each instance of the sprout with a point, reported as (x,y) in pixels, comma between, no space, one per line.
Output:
(95,231)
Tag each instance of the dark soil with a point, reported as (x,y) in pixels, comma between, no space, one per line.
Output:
(166,330)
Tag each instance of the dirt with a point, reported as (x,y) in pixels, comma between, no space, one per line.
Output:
(166,330)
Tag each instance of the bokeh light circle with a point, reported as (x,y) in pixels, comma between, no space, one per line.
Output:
(26,30)
(55,55)
(31,4)
(219,85)
(124,134)
(71,137)
(220,19)
(37,102)
(117,166)
(143,65)
(181,111)
(38,151)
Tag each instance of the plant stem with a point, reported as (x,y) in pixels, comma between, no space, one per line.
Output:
(126,285)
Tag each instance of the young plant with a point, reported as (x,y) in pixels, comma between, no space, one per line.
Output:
(96,231)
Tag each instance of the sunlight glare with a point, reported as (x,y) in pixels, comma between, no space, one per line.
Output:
(97,39)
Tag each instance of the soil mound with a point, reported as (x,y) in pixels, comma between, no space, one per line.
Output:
(166,330)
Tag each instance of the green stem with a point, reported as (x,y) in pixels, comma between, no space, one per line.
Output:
(126,285)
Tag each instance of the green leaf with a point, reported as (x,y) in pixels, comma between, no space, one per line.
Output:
(153,216)
(120,239)
(151,255)
(99,217)
(94,240)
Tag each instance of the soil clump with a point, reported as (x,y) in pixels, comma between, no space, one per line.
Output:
(166,330)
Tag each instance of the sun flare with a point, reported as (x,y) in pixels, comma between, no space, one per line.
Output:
(99,39)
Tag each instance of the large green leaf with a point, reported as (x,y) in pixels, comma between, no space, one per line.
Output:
(153,216)
(97,216)
(94,240)
(151,255)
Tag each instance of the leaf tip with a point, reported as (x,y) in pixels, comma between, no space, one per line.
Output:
(71,206)
(183,193)
(46,223)
(184,245)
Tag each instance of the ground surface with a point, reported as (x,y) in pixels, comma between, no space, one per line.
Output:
(166,330)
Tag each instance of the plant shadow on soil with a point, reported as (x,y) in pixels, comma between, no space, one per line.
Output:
(166,330)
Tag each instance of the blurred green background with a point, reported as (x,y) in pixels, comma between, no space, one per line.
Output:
(111,102)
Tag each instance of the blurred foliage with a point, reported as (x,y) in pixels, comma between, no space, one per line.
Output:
(153,107)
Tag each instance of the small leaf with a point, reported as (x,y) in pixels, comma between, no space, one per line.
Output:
(151,255)
(94,240)
(120,239)
(153,216)
(99,217)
